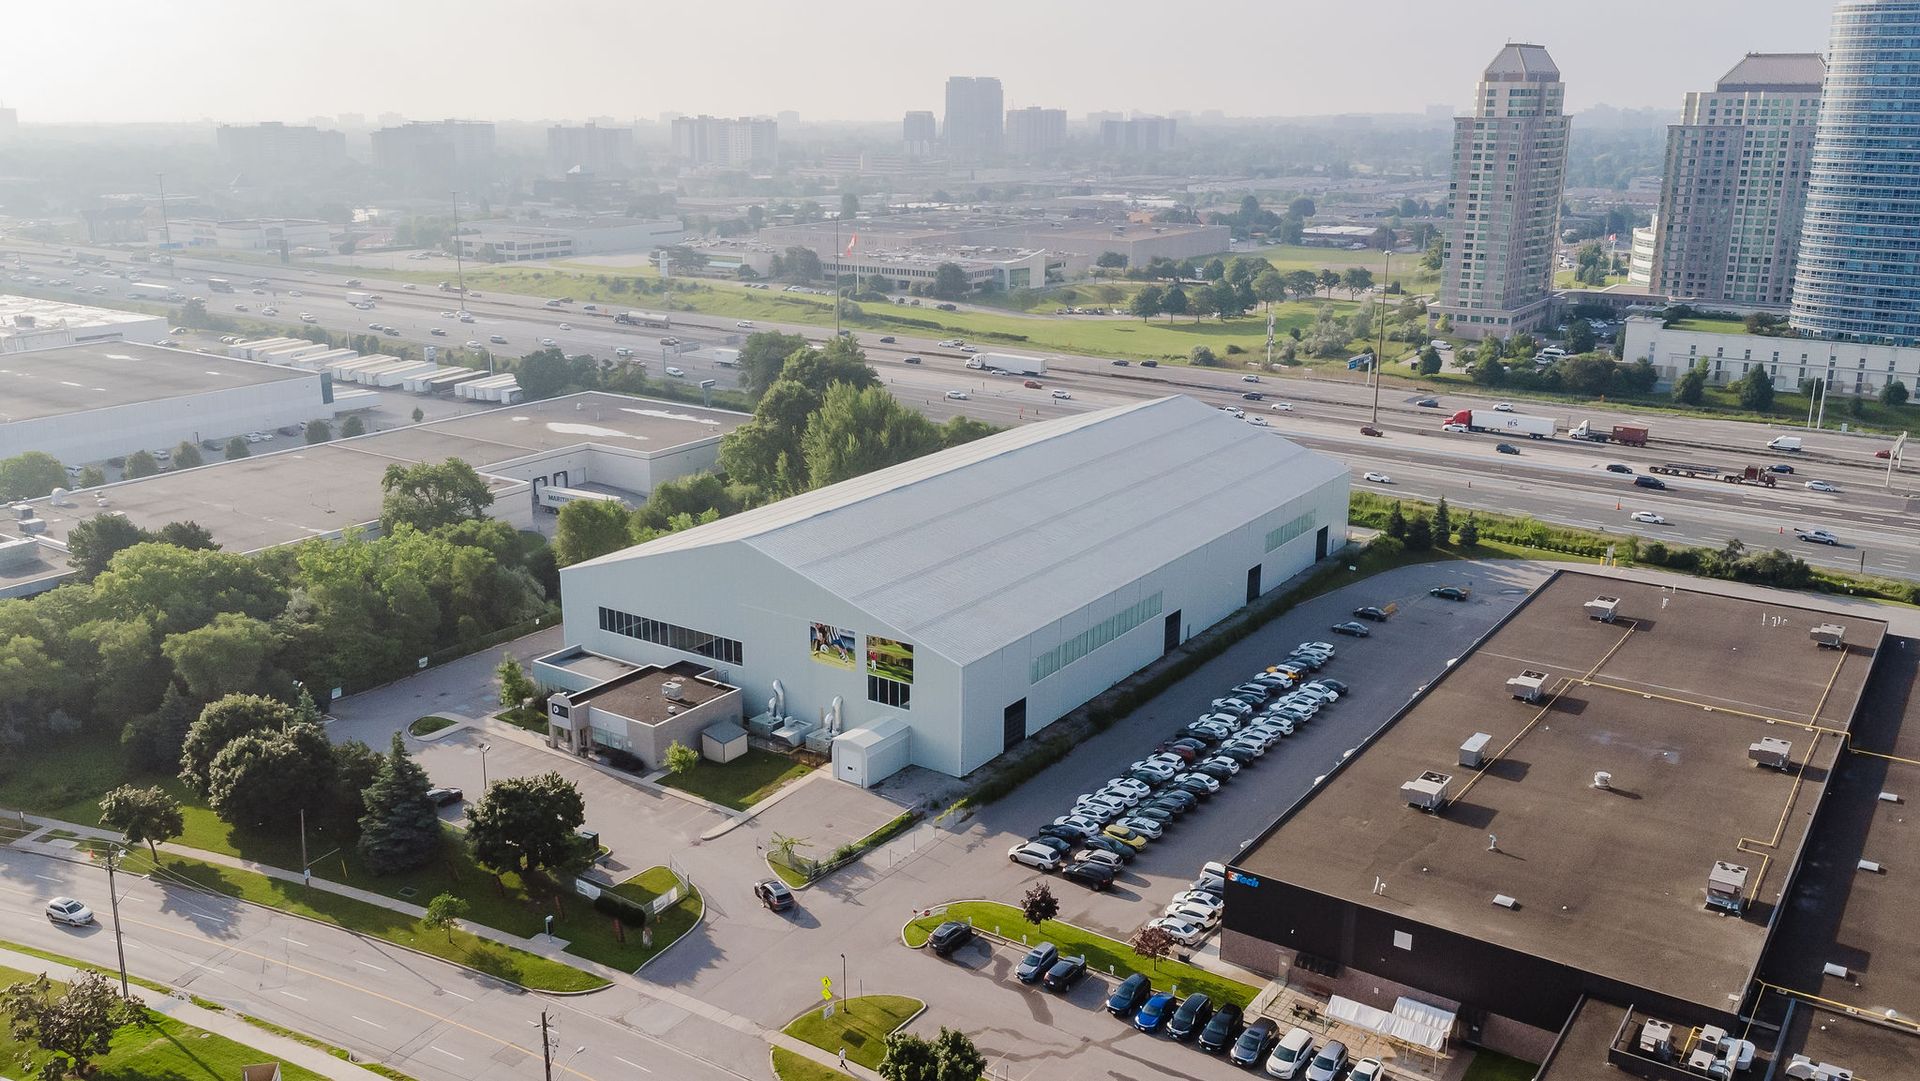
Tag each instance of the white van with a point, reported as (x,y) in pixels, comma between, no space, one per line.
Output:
(1291,1054)
(1784,442)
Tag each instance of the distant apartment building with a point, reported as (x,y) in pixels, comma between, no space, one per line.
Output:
(9,122)
(1645,242)
(1033,130)
(1509,172)
(918,132)
(435,154)
(501,241)
(274,149)
(975,112)
(729,143)
(590,148)
(241,234)
(1858,272)
(1737,170)
(1142,134)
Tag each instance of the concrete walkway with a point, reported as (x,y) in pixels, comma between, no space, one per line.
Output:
(270,1045)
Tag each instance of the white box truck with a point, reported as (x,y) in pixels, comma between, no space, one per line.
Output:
(726,358)
(1008,362)
(1789,443)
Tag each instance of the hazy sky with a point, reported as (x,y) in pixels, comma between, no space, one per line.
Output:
(149,60)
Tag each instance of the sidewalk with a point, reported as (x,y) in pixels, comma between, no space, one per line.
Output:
(269,1044)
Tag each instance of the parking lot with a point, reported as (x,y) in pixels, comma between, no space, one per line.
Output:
(1382,671)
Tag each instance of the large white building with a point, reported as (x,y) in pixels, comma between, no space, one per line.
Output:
(1858,368)
(503,241)
(941,611)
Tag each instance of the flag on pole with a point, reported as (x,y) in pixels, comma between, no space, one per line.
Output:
(852,242)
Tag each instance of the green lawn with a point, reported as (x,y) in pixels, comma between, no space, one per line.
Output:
(458,946)
(160,1047)
(788,1066)
(1103,954)
(860,1025)
(427,726)
(741,783)
(1711,326)
(532,720)
(1493,1066)
(1407,269)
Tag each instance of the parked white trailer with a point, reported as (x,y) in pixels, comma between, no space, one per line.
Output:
(1008,362)
(726,358)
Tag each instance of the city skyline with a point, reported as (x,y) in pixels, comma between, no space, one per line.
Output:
(1061,59)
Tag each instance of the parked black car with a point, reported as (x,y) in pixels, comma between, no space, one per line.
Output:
(1455,593)
(1094,876)
(1126,852)
(1191,1017)
(1378,615)
(774,894)
(1064,832)
(445,797)
(949,937)
(1220,1031)
(1065,973)
(1127,997)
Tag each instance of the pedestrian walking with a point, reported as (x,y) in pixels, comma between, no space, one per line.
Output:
(843,1059)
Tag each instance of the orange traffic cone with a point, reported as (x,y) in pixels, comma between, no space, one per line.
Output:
(1616,504)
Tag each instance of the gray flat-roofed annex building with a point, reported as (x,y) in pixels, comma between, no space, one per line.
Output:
(979,593)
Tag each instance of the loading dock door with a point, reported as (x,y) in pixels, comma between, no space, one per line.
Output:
(1320,544)
(1013,725)
(1172,634)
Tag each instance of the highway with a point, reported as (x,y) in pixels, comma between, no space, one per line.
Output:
(1561,481)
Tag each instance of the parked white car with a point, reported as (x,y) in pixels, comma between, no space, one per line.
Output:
(1038,856)
(1184,932)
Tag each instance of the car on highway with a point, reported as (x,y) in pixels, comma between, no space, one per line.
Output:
(1249,379)
(1448,593)
(745,324)
(1254,396)
(1153,1013)
(1258,422)
(1648,517)
(294,293)
(1821,486)
(1065,972)
(1234,411)
(910,360)
(69,911)
(1457,429)
(1377,477)
(1503,407)
(1061,395)
(446,315)
(887,340)
(774,894)
(1507,448)
(1428,403)
(958,395)
(438,332)
(1037,856)
(1377,615)
(471,344)
(307,317)
(949,937)
(1654,483)
(969,349)
(497,339)
(1127,997)
(1616,467)
(1368,429)
(1780,467)
(445,797)
(1032,384)
(548,342)
(677,373)
(1033,967)
(1817,536)
(1352,627)
(566,326)
(1281,407)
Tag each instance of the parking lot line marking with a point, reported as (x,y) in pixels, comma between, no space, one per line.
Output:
(455,994)
(368,964)
(206,965)
(364,1021)
(446,1052)
(634,1064)
(296,998)
(295,942)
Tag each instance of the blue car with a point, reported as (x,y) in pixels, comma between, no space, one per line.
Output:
(1154,1013)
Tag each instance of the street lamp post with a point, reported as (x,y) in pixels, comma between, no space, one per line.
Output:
(484,748)
(1380,340)
(459,265)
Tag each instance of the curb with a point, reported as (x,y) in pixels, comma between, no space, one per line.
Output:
(702,918)
(812,1009)
(402,946)
(440,733)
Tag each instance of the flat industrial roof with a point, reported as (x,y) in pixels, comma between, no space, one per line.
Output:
(46,311)
(640,695)
(78,378)
(1609,881)
(271,499)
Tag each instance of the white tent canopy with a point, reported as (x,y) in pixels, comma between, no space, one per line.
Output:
(1411,1022)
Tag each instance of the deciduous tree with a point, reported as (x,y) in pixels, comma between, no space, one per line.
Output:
(145,815)
(318,431)
(269,776)
(526,823)
(30,475)
(1038,904)
(221,723)
(428,496)
(858,431)
(445,912)
(237,448)
(73,1027)
(589,528)
(681,758)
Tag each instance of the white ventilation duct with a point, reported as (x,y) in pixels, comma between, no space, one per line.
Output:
(833,714)
(779,698)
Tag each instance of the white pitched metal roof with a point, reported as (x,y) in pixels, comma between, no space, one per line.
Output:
(967,549)
(1786,72)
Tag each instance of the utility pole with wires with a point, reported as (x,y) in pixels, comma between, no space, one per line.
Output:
(459,265)
(836,275)
(1380,340)
(112,861)
(166,227)
(546,1046)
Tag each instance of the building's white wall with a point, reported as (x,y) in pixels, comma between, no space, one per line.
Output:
(1205,586)
(735,591)
(217,414)
(1846,367)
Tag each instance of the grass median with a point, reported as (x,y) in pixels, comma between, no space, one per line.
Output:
(860,1026)
(461,947)
(1104,955)
(158,1047)
(741,783)
(788,1066)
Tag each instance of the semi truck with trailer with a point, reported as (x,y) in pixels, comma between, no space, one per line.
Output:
(1629,435)
(1007,362)
(1501,423)
(644,319)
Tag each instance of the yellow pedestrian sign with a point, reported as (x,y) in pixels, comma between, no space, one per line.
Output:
(826,988)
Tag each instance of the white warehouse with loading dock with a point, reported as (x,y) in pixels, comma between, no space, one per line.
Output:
(938,612)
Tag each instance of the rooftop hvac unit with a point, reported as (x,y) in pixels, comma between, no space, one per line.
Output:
(1805,1069)
(1829,636)
(1473,753)
(1527,686)
(22,511)
(61,498)
(1727,887)
(1427,791)
(1602,780)
(1771,752)
(1603,608)
(1656,1039)
(33,527)
(673,690)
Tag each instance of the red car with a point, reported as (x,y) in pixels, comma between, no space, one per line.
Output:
(1031,384)
(1883,454)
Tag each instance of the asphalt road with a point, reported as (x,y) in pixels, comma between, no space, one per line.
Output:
(1559,481)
